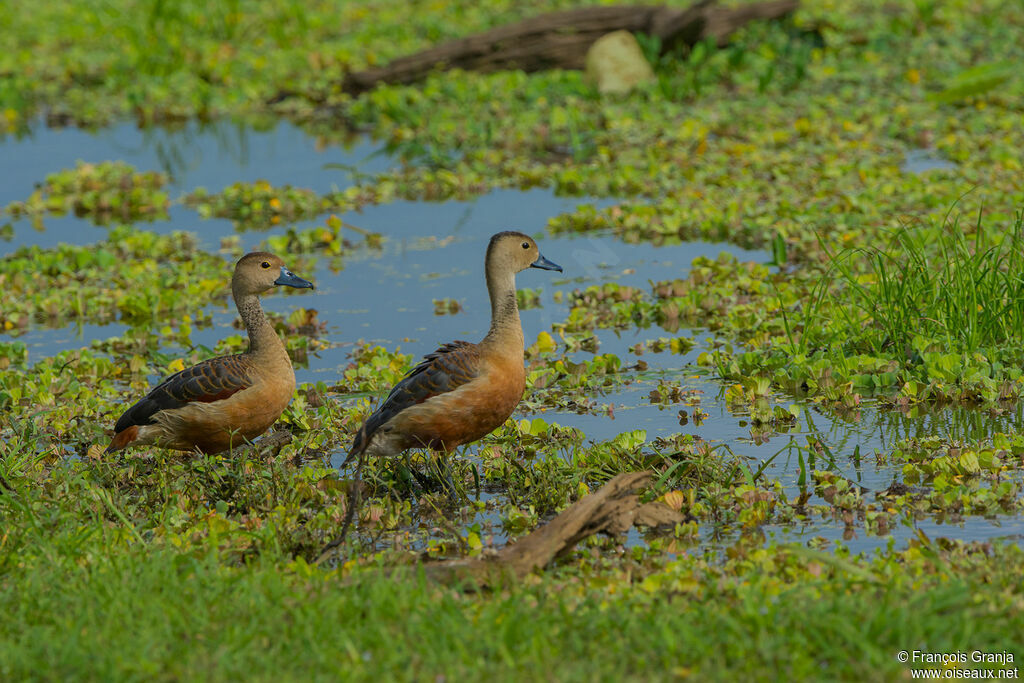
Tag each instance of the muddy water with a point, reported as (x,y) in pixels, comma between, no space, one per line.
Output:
(435,251)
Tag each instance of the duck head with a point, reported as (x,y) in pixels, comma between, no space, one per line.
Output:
(514,252)
(259,271)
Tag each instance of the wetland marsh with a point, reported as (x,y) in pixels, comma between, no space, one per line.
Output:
(793,289)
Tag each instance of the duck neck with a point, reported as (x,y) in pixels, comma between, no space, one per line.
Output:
(262,338)
(506,329)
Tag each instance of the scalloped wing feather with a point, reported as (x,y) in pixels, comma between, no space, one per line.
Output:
(446,369)
(212,380)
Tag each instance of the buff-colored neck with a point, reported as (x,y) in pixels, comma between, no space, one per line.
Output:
(263,341)
(506,330)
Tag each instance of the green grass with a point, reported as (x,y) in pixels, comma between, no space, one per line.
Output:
(938,305)
(172,568)
(132,613)
(938,288)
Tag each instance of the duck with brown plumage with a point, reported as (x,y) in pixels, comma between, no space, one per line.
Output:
(227,401)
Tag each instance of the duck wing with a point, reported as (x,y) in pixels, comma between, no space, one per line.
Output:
(440,372)
(212,380)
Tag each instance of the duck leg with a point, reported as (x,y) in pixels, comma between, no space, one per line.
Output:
(350,513)
(441,467)
(416,481)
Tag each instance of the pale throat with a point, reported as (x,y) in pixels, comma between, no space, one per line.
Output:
(505,324)
(261,334)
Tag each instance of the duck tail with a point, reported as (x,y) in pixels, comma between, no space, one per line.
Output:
(359,445)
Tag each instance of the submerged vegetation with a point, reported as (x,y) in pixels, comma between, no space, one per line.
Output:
(887,290)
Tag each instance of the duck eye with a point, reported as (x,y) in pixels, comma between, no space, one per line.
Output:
(526,245)
(265,264)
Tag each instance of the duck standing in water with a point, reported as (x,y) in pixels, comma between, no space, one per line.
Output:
(226,401)
(462,391)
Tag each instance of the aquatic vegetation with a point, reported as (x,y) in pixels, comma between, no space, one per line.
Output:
(135,276)
(447,306)
(974,83)
(107,192)
(528,298)
(373,368)
(933,323)
(678,345)
(327,239)
(258,205)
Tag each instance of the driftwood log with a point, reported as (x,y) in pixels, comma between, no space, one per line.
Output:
(612,509)
(560,40)
(271,444)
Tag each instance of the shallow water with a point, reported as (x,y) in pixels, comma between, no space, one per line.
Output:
(435,251)
(925,159)
(211,155)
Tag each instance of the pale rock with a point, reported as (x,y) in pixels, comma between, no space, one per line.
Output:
(616,64)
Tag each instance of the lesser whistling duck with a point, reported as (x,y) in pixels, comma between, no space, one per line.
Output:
(462,391)
(222,402)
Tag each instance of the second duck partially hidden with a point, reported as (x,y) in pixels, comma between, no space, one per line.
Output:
(462,391)
(222,402)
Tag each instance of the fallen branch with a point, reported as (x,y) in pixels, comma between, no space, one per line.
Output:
(612,509)
(271,444)
(560,40)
